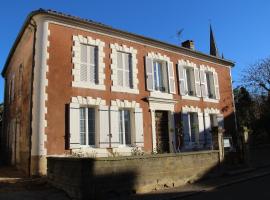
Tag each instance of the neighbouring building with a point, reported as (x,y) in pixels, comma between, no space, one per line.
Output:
(76,86)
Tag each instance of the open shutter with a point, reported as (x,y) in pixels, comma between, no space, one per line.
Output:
(185,123)
(171,78)
(216,85)
(201,129)
(103,126)
(139,127)
(197,82)
(74,125)
(207,124)
(182,81)
(204,91)
(220,120)
(114,118)
(149,73)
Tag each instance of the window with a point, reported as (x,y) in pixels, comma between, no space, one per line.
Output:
(210,85)
(194,127)
(87,126)
(213,120)
(88,65)
(124,70)
(124,127)
(190,81)
(160,76)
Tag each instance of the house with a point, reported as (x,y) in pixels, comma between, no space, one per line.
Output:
(76,86)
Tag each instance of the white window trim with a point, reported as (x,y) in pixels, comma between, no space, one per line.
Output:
(155,93)
(123,48)
(211,111)
(77,41)
(185,64)
(209,69)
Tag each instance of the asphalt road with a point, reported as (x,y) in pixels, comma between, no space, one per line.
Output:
(258,189)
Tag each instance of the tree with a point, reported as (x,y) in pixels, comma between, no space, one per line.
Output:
(257,76)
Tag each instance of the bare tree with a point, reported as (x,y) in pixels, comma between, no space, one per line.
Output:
(257,76)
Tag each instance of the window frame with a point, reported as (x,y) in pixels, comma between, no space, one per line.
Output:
(160,74)
(210,88)
(124,70)
(122,127)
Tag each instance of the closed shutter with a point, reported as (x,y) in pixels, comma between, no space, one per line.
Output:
(103,126)
(149,73)
(74,126)
(120,74)
(220,120)
(185,122)
(203,83)
(197,82)
(201,129)
(92,64)
(182,81)
(207,123)
(83,68)
(216,85)
(171,77)
(114,118)
(139,138)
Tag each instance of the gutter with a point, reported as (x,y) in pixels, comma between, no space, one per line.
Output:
(106,29)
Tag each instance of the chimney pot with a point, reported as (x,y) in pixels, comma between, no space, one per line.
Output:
(188,44)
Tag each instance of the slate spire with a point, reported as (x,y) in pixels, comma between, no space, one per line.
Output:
(213,46)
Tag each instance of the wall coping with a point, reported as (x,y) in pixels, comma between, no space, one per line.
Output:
(118,158)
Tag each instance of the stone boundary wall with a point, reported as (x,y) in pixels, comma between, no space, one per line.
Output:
(105,178)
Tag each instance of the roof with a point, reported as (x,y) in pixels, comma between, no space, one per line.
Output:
(107,28)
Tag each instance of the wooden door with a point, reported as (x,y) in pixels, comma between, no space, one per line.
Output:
(162,132)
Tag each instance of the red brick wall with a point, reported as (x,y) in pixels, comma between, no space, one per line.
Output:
(60,78)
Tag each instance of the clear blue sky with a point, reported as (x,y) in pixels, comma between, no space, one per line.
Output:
(241,27)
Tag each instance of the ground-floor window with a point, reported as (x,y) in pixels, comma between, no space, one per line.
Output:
(124,127)
(194,127)
(87,126)
(213,121)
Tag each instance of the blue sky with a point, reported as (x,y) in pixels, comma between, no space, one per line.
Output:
(241,27)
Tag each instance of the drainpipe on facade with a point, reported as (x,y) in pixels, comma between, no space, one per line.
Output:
(34,25)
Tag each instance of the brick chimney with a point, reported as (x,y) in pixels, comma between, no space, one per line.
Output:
(188,44)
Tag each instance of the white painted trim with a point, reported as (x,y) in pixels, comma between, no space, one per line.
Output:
(187,109)
(125,104)
(40,82)
(161,95)
(154,137)
(135,81)
(76,60)
(211,100)
(187,97)
(211,111)
(88,101)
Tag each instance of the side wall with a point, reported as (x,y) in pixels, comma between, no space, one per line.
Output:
(103,178)
(15,140)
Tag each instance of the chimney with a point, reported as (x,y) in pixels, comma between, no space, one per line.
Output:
(188,44)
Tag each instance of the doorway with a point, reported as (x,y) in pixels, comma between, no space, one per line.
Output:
(162,133)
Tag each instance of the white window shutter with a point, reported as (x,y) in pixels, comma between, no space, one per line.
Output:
(204,91)
(185,123)
(201,129)
(139,138)
(120,76)
(92,64)
(207,123)
(182,80)
(74,125)
(114,118)
(171,77)
(197,82)
(83,64)
(103,126)
(149,73)
(216,85)
(220,120)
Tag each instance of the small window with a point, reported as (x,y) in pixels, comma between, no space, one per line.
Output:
(190,81)
(194,127)
(87,126)
(210,85)
(160,76)
(124,70)
(88,65)
(124,127)
(213,120)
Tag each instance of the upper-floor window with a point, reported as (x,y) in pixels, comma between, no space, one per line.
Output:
(124,69)
(210,85)
(189,80)
(87,126)
(159,73)
(88,55)
(124,127)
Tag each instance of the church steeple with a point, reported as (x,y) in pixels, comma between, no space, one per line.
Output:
(213,46)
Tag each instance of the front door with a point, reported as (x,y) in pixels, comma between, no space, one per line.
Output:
(162,132)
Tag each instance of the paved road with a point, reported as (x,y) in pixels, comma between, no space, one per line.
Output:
(258,189)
